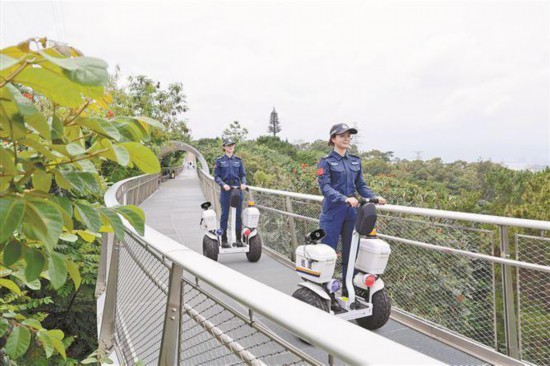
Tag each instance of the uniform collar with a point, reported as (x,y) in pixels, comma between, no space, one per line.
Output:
(334,154)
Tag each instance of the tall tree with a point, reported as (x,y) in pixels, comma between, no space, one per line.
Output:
(274,124)
(236,132)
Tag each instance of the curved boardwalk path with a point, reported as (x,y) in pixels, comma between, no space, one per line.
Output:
(175,211)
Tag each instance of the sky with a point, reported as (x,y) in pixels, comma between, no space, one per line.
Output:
(460,80)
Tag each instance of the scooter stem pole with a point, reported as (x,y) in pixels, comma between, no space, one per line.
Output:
(355,238)
(233,225)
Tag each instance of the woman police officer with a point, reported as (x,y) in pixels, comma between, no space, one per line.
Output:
(229,171)
(340,176)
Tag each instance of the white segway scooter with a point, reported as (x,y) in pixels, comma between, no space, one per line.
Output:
(366,300)
(212,241)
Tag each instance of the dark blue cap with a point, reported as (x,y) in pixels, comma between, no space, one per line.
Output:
(341,128)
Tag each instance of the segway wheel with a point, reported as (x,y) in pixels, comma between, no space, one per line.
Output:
(255,249)
(309,297)
(210,248)
(380,313)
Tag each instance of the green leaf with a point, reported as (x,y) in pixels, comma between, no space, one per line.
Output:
(32,142)
(86,166)
(12,210)
(74,272)
(149,121)
(12,252)
(66,209)
(83,70)
(43,221)
(88,215)
(40,124)
(58,129)
(4,326)
(82,181)
(100,126)
(9,284)
(128,131)
(57,270)
(41,180)
(114,220)
(7,162)
(59,347)
(134,215)
(24,105)
(57,334)
(71,238)
(142,157)
(18,342)
(59,89)
(33,323)
(46,342)
(35,263)
(6,62)
(87,235)
(115,153)
(75,149)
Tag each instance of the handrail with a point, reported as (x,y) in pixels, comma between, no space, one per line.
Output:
(461,216)
(339,338)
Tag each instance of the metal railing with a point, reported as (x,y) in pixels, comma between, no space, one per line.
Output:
(161,303)
(451,275)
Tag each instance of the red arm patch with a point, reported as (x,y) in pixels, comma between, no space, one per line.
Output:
(320,172)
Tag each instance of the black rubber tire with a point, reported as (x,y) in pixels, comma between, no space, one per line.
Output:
(210,248)
(255,249)
(380,313)
(309,297)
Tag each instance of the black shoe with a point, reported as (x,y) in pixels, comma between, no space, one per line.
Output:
(225,244)
(239,244)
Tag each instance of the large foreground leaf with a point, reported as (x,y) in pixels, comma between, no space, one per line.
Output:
(12,210)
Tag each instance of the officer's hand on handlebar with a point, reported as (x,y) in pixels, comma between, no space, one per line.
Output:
(226,187)
(243,187)
(381,200)
(352,201)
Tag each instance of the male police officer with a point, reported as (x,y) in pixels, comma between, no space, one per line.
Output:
(229,171)
(340,176)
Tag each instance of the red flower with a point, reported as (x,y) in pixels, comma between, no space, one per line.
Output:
(110,114)
(28,96)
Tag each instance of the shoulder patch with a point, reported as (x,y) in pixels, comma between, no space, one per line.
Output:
(320,172)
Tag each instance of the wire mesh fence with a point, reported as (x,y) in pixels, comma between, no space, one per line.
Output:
(213,333)
(534,299)
(141,303)
(448,290)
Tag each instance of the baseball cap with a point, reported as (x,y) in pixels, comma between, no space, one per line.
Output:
(341,128)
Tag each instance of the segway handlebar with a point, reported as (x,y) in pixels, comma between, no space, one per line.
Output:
(364,201)
(238,187)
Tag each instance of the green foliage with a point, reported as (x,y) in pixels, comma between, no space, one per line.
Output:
(236,132)
(55,140)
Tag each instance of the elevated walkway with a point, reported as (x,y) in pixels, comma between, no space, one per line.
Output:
(174,210)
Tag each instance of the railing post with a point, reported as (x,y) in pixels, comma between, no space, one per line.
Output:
(109,308)
(170,331)
(292,229)
(510,318)
(106,243)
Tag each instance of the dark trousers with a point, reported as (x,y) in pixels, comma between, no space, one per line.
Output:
(339,221)
(224,201)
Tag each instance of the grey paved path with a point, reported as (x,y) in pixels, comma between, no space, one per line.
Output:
(175,211)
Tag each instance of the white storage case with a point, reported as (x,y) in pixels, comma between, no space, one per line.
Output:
(315,262)
(251,216)
(208,221)
(373,256)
